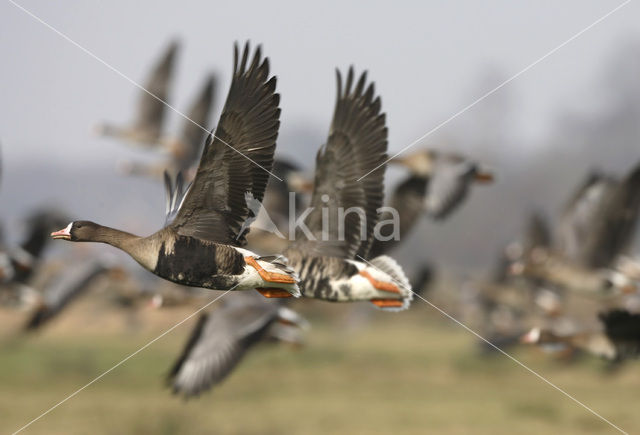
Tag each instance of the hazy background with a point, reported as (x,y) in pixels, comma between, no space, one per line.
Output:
(577,109)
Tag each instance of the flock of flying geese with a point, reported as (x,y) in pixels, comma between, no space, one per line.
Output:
(211,203)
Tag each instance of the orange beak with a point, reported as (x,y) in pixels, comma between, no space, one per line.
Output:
(484,177)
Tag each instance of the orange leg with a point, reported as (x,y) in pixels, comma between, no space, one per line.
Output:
(387,303)
(275,277)
(274,293)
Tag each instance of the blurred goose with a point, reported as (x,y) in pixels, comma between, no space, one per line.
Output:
(549,267)
(68,286)
(222,337)
(328,252)
(447,177)
(200,243)
(185,149)
(619,339)
(25,257)
(147,127)
(596,228)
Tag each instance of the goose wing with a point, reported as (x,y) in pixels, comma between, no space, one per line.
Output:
(615,222)
(67,288)
(579,214)
(218,343)
(193,135)
(235,164)
(408,200)
(449,184)
(356,145)
(151,111)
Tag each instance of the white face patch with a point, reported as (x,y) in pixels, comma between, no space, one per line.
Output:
(67,230)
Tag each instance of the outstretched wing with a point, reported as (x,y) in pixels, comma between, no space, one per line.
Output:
(151,111)
(615,223)
(237,159)
(408,201)
(357,145)
(193,135)
(580,214)
(218,343)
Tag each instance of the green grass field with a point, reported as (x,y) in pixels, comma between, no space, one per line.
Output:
(403,373)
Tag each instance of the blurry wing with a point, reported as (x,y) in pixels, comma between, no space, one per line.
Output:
(237,159)
(449,185)
(357,145)
(579,215)
(408,200)
(218,343)
(151,110)
(615,223)
(538,234)
(193,135)
(70,285)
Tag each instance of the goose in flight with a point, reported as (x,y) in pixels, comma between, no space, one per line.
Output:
(222,337)
(200,245)
(185,148)
(329,252)
(619,338)
(67,287)
(147,128)
(447,177)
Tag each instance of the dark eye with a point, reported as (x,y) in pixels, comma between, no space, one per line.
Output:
(78,226)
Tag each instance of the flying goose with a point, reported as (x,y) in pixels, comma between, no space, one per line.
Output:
(619,339)
(67,287)
(596,228)
(25,257)
(185,149)
(329,256)
(200,246)
(222,337)
(147,127)
(447,177)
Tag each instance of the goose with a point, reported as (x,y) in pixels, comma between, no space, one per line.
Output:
(66,288)
(200,245)
(329,253)
(147,128)
(185,149)
(222,337)
(25,258)
(619,339)
(447,178)
(548,266)
(596,228)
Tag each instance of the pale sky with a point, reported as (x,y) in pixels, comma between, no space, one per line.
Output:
(425,59)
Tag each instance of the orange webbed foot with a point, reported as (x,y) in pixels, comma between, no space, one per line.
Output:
(274,293)
(275,277)
(380,285)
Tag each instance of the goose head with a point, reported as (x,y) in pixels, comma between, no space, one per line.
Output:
(80,231)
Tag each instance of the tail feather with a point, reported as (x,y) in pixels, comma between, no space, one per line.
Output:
(391,267)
